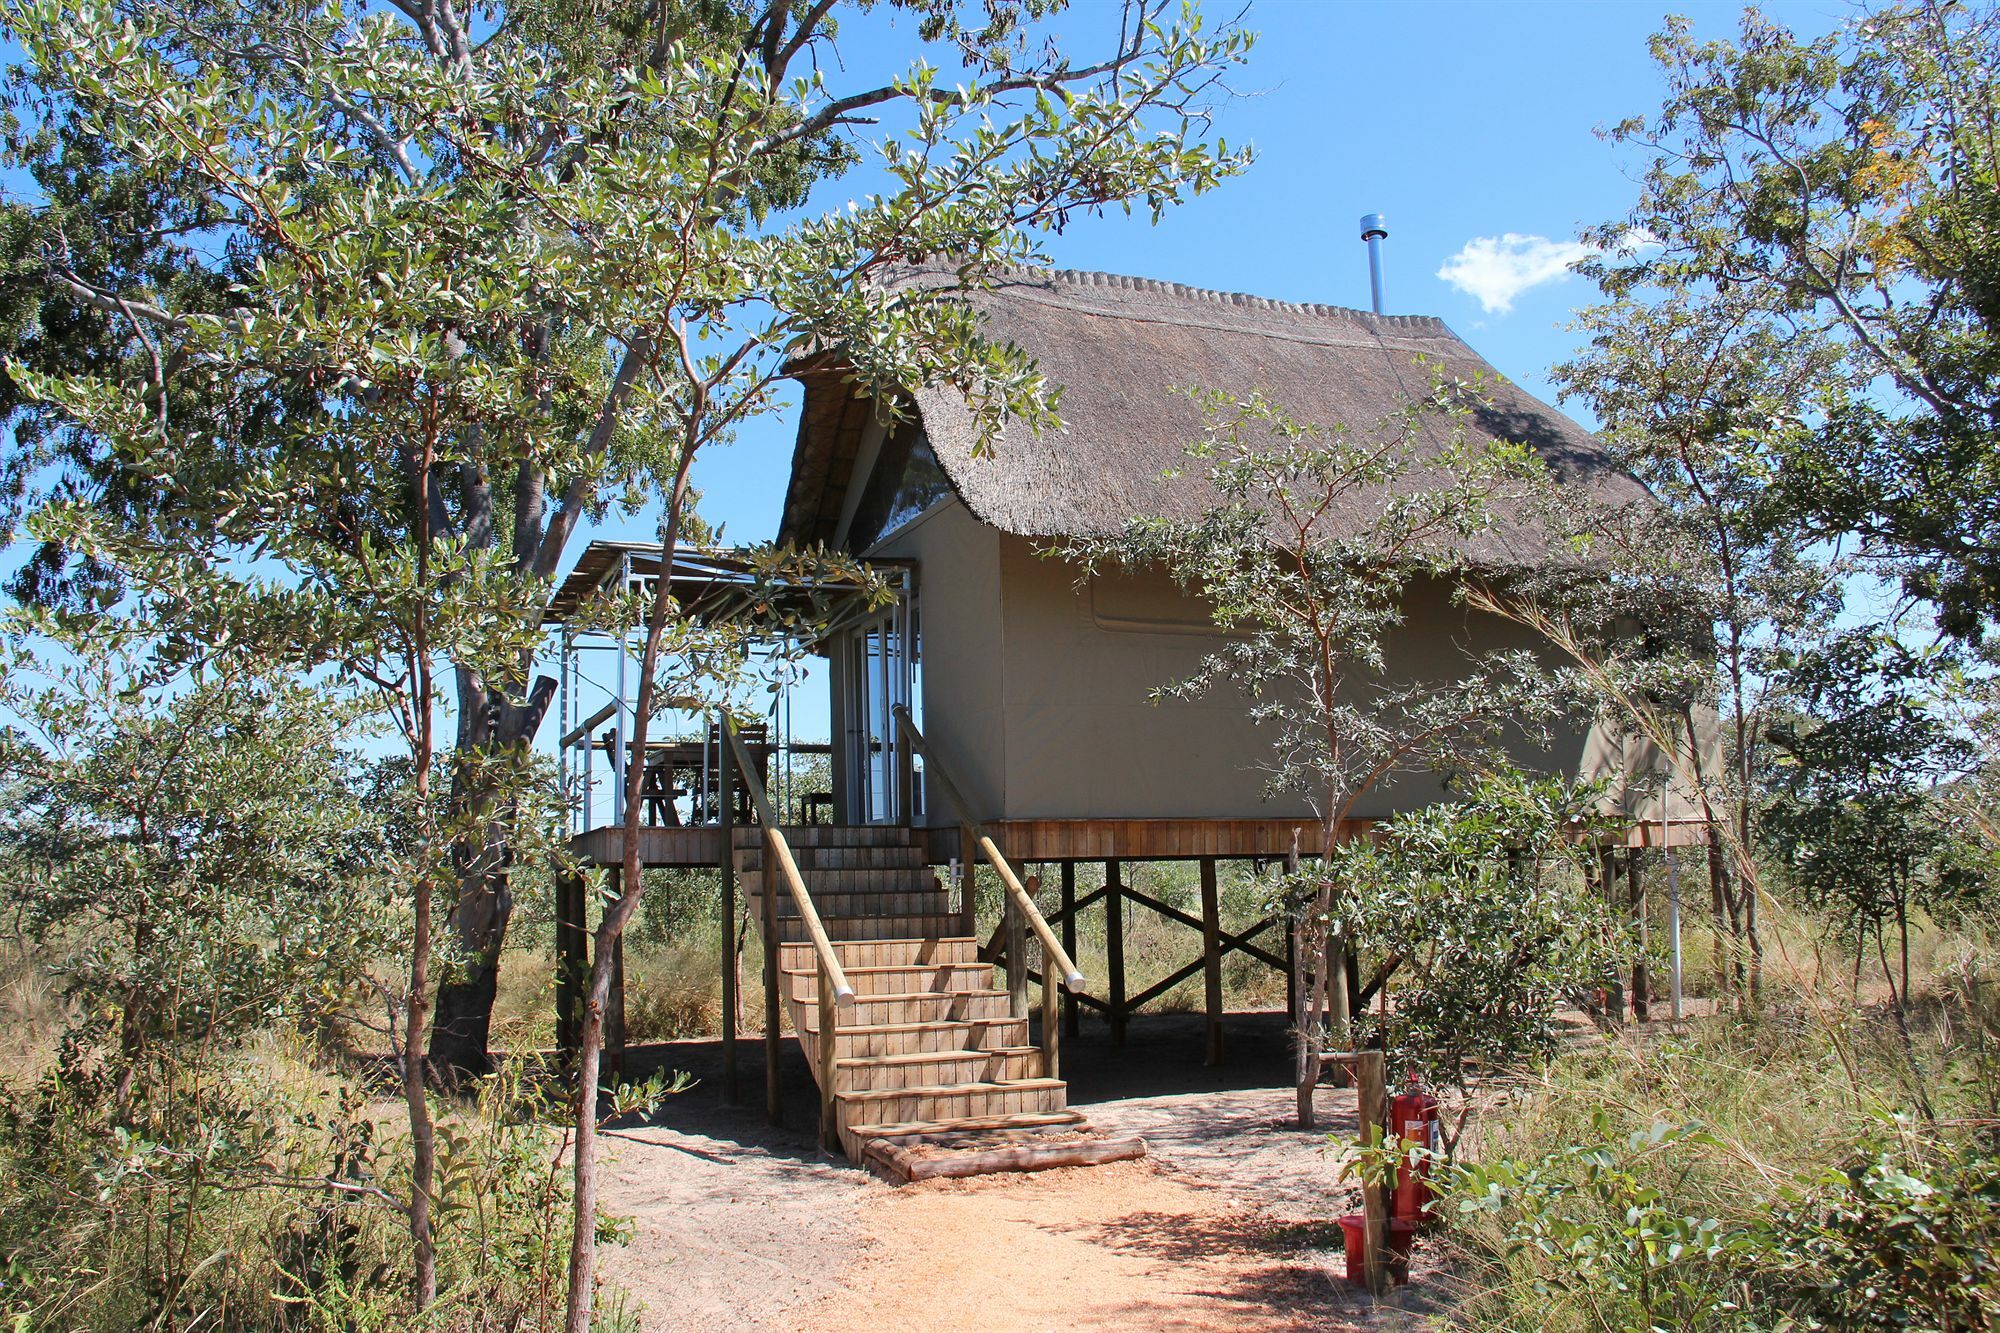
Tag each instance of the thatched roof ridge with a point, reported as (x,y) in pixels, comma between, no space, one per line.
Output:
(1120,347)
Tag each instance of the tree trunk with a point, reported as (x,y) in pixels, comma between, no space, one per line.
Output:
(489,725)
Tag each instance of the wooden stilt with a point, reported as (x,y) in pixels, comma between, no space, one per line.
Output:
(572,964)
(1642,999)
(1114,946)
(1607,881)
(614,1003)
(726,782)
(1211,958)
(1069,1008)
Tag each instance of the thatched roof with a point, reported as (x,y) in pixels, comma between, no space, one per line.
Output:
(1119,348)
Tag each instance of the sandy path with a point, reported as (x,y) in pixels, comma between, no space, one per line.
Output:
(1113,1247)
(728,1232)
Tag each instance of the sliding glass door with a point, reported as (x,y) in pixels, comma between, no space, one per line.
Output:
(881,674)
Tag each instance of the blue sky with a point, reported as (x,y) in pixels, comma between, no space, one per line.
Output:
(1471,125)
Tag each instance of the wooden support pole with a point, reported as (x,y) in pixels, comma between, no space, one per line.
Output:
(1371,1116)
(1114,946)
(1211,959)
(572,963)
(767,897)
(614,1005)
(725,784)
(1607,882)
(1070,1016)
(1642,999)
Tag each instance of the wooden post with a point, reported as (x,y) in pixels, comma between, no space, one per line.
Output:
(1370,1115)
(1607,880)
(1051,1018)
(767,896)
(1017,954)
(572,964)
(1642,999)
(1070,1020)
(614,1004)
(829,1063)
(1114,946)
(725,784)
(1211,958)
(968,876)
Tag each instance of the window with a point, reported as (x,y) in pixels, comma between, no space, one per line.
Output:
(905,481)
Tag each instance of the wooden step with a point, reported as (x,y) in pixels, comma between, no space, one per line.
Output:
(951,1035)
(792,929)
(798,956)
(914,1131)
(960,1155)
(895,979)
(905,902)
(857,1134)
(929,1068)
(863,879)
(917,1007)
(841,858)
(950,1101)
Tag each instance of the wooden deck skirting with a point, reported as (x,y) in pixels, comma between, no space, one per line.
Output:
(1034,844)
(1024,841)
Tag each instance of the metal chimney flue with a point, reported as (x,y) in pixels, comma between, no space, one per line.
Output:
(1375,230)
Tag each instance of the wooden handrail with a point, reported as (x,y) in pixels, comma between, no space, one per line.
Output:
(822,946)
(1073,980)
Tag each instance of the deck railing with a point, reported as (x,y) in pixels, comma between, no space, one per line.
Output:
(1023,917)
(834,989)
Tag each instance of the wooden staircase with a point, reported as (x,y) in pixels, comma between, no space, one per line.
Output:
(934,1071)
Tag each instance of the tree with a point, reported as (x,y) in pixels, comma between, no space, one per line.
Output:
(468,279)
(1696,599)
(1846,188)
(490,273)
(1308,566)
(1479,910)
(1859,818)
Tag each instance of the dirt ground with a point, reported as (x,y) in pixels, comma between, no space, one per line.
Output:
(1228,1222)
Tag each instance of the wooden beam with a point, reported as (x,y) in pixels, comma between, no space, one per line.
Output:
(1166,983)
(1211,958)
(1240,943)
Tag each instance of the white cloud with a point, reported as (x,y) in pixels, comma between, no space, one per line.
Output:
(1496,269)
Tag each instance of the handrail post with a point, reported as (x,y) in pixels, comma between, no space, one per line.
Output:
(1017,959)
(828,1060)
(968,881)
(974,840)
(1051,1018)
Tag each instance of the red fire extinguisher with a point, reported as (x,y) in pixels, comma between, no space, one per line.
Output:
(1413,1118)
